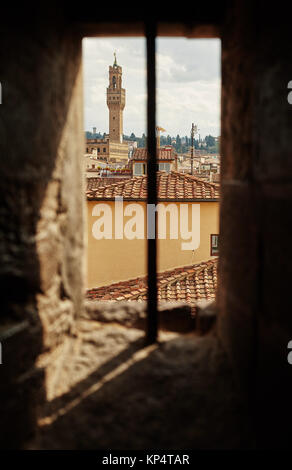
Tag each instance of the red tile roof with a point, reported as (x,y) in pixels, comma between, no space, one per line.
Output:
(162,154)
(170,186)
(96,182)
(187,284)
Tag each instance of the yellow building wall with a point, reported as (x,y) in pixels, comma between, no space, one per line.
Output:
(115,260)
(118,151)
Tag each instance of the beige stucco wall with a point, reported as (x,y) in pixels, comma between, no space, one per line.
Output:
(115,260)
(118,151)
(101,145)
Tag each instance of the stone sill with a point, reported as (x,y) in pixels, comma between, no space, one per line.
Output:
(178,317)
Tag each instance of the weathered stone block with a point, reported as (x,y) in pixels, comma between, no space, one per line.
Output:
(173,316)
(21,344)
(206,315)
(18,408)
(238,274)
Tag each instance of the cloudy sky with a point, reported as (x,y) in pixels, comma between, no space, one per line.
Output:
(188,83)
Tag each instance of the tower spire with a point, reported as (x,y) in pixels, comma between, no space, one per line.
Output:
(115,61)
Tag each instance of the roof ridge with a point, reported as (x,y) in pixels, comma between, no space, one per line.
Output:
(195,178)
(190,283)
(118,184)
(173,185)
(113,284)
(198,267)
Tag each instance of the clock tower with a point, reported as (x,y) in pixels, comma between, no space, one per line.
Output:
(116,99)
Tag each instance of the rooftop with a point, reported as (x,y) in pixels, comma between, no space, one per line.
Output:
(97,181)
(170,186)
(162,154)
(187,284)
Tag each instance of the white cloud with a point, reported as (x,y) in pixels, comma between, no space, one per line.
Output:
(188,83)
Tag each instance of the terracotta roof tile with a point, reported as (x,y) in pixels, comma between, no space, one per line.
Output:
(189,284)
(98,181)
(162,154)
(174,185)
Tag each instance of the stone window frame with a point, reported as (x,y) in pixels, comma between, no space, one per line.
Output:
(150,30)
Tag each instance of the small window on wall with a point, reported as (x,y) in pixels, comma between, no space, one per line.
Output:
(104,149)
(98,149)
(164,167)
(214,245)
(139,169)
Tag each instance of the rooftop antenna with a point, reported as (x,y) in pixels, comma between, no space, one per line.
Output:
(194,131)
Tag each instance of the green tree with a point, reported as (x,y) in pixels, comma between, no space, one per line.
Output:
(163,140)
(178,143)
(210,141)
(143,140)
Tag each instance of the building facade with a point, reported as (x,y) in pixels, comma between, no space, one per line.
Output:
(166,160)
(117,230)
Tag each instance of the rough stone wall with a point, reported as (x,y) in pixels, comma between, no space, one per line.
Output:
(41,221)
(173,316)
(40,199)
(255,272)
(179,317)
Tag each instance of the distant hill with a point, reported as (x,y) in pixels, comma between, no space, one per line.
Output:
(180,144)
